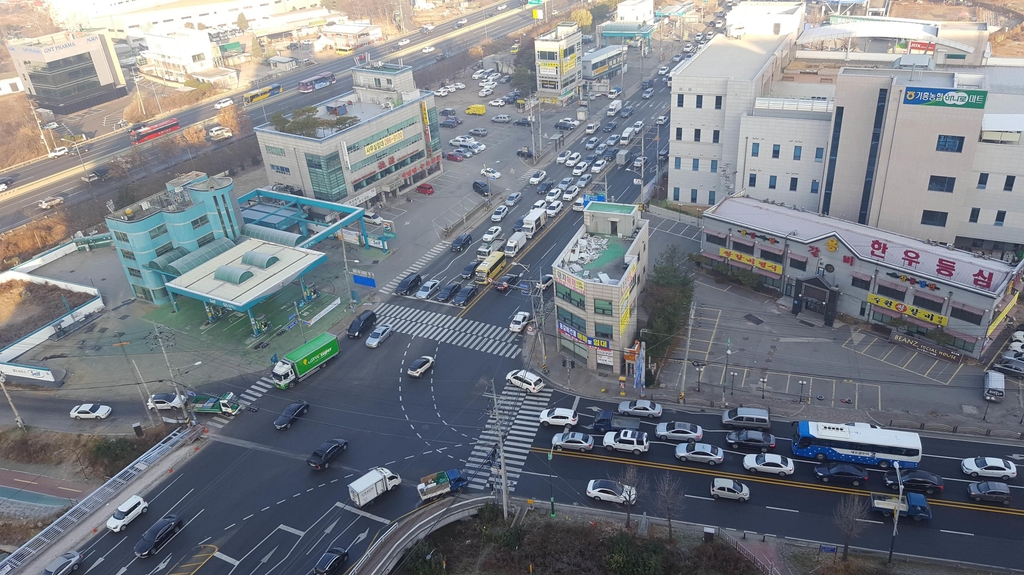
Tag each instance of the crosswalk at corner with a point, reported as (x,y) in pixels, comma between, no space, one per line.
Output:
(245,399)
(519,416)
(424,260)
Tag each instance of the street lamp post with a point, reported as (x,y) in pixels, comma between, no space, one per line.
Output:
(764,382)
(896,510)
(732,390)
(728,352)
(551,481)
(802,384)
(699,366)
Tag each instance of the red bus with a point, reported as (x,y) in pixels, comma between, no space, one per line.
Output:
(317,82)
(147,133)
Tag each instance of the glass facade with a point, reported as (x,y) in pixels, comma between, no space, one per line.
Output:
(327,176)
(64,80)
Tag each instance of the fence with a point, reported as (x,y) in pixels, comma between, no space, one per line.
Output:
(766,568)
(96,499)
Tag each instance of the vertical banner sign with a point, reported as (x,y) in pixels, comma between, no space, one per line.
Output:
(638,377)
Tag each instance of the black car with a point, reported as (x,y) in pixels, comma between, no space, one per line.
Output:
(158,535)
(507,282)
(917,480)
(325,454)
(448,112)
(291,414)
(749,440)
(610,154)
(449,291)
(481,187)
(564,126)
(544,186)
(462,242)
(331,561)
(449,123)
(469,270)
(292,46)
(465,294)
(362,324)
(518,225)
(409,284)
(609,126)
(646,84)
(626,112)
(841,473)
(522,122)
(993,491)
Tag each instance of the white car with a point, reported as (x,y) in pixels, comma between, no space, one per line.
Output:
(578,205)
(560,416)
(489,173)
(639,162)
(502,6)
(554,208)
(592,143)
(573,159)
(477,147)
(463,21)
(477,75)
(499,103)
(562,157)
(579,168)
(591,128)
(162,401)
(700,452)
(613,491)
(485,83)
(404,42)
(638,125)
(639,408)
(441,93)
(769,463)
(58,152)
(379,335)
(420,365)
(461,141)
(221,104)
(598,166)
(519,321)
(459,86)
(663,70)
(679,431)
(570,121)
(729,489)
(127,512)
(485,92)
(553,195)
(428,289)
(634,442)
(539,205)
(492,233)
(539,176)
(661,120)
(989,467)
(90,411)
(499,213)
(428,49)
(570,194)
(524,379)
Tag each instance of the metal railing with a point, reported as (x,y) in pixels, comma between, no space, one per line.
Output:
(766,568)
(96,499)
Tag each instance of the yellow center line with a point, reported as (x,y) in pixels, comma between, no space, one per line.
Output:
(69,489)
(26,481)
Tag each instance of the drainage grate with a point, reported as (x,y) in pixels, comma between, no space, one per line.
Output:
(103,329)
(753,319)
(124,317)
(375,262)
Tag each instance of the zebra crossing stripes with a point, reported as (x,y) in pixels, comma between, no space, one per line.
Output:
(245,399)
(519,417)
(424,260)
(460,332)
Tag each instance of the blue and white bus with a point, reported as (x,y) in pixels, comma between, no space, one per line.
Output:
(856,443)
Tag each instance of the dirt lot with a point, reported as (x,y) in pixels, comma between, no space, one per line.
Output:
(25,306)
(1007,42)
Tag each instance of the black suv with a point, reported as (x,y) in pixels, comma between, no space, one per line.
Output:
(449,291)
(465,294)
(448,112)
(158,535)
(469,270)
(409,284)
(626,112)
(462,242)
(507,282)
(326,453)
(522,122)
(481,187)
(362,324)
(609,126)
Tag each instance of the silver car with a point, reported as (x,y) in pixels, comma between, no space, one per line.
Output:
(700,452)
(380,333)
(64,564)
(679,431)
(574,440)
(639,408)
(429,289)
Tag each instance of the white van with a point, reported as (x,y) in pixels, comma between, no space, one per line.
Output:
(627,137)
(995,386)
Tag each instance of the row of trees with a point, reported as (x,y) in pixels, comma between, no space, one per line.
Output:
(668,297)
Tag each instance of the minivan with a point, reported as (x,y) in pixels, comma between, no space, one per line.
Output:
(409,284)
(747,418)
(481,187)
(362,324)
(995,386)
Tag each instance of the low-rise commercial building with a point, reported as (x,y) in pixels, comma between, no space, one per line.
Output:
(119,17)
(559,63)
(175,54)
(603,64)
(635,11)
(598,278)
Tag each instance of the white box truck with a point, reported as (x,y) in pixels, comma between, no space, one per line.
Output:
(515,243)
(376,481)
(614,107)
(534,221)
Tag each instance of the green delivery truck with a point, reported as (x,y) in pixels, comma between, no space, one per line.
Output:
(305,360)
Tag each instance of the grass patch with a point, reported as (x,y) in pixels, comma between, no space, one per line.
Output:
(695,211)
(93,456)
(17,531)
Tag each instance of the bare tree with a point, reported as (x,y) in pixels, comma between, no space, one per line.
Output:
(630,476)
(668,496)
(849,518)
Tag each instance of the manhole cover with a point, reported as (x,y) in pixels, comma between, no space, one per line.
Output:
(753,319)
(103,330)
(124,317)
(375,262)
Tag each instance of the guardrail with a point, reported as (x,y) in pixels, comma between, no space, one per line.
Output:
(97,499)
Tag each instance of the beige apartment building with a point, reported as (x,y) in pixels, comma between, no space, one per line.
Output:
(559,63)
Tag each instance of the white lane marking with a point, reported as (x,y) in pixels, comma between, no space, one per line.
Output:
(781,509)
(225,558)
(869,521)
(698,497)
(956,532)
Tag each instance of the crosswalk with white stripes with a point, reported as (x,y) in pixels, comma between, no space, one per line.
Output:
(245,398)
(519,417)
(470,334)
(424,260)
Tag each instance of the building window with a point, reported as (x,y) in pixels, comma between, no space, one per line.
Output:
(713,239)
(932,218)
(121,237)
(135,273)
(570,296)
(675,194)
(975,213)
(797,152)
(890,293)
(679,100)
(776,151)
(819,155)
(714,166)
(718,102)
(696,165)
(982,180)
(696,135)
(772,181)
(157,231)
(941,184)
(1000,218)
(714,136)
(964,315)
(755,149)
(814,186)
(128,255)
(603,306)
(142,293)
(861,283)
(693,196)
(931,305)
(711,197)
(1008,184)
(742,247)
(200,222)
(327,176)
(950,144)
(567,317)
(281,169)
(700,101)
(678,163)
(772,257)
(798,264)
(163,249)
(203,240)
(603,331)
(752,181)
(792,184)
(679,134)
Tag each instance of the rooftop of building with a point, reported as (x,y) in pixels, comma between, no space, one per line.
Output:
(610,208)
(626,27)
(354,28)
(929,78)
(597,257)
(806,227)
(55,38)
(763,9)
(382,68)
(183,4)
(349,104)
(794,108)
(562,31)
(603,52)
(172,199)
(746,56)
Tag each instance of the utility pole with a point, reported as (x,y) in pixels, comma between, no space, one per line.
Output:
(17,416)
(539,319)
(686,357)
(501,452)
(170,370)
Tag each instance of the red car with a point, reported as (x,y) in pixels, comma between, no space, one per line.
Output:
(425,189)
(453,157)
